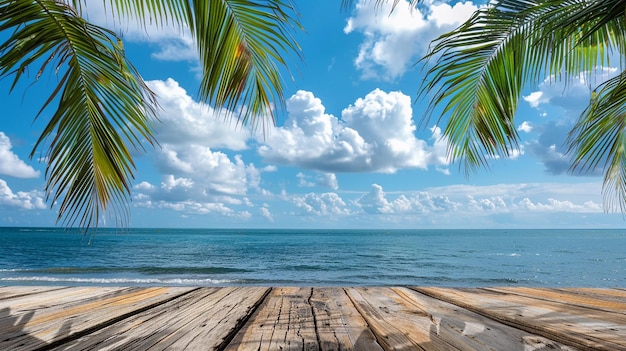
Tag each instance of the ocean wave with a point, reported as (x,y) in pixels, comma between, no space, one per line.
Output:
(122,281)
(142,269)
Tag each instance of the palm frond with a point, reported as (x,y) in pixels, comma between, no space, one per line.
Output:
(146,12)
(481,67)
(599,140)
(103,105)
(242,44)
(477,77)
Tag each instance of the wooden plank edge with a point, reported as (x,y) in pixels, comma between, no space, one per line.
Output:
(81,333)
(379,338)
(585,301)
(43,291)
(519,324)
(242,322)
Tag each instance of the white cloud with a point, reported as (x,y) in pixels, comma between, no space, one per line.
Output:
(144,186)
(322,204)
(24,200)
(325,180)
(265,212)
(303,182)
(196,178)
(467,200)
(376,134)
(183,120)
(553,205)
(214,170)
(572,95)
(377,202)
(525,127)
(328,180)
(393,41)
(535,98)
(10,163)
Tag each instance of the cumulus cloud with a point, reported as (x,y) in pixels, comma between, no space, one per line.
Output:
(265,212)
(213,169)
(198,173)
(322,204)
(328,180)
(199,180)
(394,41)
(196,176)
(377,202)
(375,134)
(525,127)
(325,180)
(24,200)
(10,163)
(452,203)
(183,120)
(500,205)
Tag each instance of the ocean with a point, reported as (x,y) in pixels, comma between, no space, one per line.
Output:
(281,257)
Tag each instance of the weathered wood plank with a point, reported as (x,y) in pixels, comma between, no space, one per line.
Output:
(583,328)
(569,297)
(55,297)
(11,292)
(466,330)
(108,318)
(396,327)
(403,319)
(36,322)
(339,325)
(200,320)
(283,322)
(603,294)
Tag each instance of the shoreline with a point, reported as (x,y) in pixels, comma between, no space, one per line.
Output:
(324,318)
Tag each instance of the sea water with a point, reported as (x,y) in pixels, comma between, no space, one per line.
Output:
(222,257)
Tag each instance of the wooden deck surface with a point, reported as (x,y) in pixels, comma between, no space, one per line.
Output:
(257,318)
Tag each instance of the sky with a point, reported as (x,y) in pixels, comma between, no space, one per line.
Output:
(349,150)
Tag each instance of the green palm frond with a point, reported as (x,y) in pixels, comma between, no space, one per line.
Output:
(242,44)
(102,105)
(478,78)
(146,12)
(481,67)
(599,140)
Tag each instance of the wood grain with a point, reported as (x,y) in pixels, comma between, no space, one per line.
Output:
(311,318)
(580,327)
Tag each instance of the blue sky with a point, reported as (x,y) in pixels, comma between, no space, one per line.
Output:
(348,152)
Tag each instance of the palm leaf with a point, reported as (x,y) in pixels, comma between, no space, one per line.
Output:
(102,106)
(599,140)
(481,67)
(242,44)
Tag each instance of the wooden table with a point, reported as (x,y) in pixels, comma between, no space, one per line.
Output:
(305,318)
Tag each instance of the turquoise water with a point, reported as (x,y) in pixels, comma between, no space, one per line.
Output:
(212,257)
